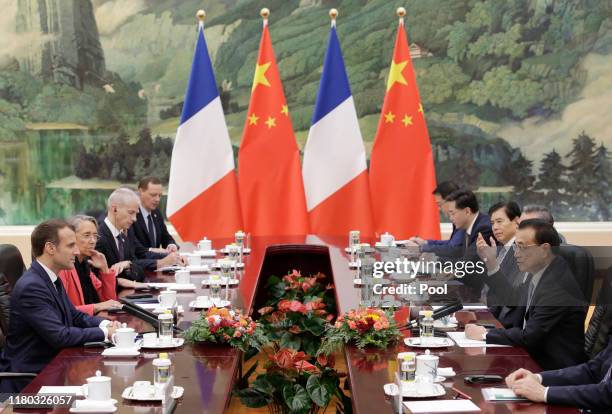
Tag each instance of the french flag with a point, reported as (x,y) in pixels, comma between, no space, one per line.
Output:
(203,193)
(334,169)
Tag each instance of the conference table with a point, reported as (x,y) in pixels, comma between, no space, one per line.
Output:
(208,372)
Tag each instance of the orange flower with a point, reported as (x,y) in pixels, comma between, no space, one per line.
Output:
(265,310)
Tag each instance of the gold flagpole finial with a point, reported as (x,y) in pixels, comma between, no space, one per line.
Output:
(401,12)
(265,13)
(333,13)
(201,15)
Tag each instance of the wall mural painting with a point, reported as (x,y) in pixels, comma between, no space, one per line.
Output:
(517,93)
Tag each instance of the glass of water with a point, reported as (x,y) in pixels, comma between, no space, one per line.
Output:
(215,288)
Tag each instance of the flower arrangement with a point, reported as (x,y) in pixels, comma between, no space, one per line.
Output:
(297,314)
(363,327)
(293,384)
(225,326)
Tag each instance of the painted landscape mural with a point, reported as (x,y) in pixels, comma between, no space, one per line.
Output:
(517,93)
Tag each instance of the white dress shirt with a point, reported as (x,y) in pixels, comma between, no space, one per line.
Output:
(115,232)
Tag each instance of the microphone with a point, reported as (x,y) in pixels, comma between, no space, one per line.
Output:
(437,314)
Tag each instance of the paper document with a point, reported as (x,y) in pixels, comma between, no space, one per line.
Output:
(442,406)
(501,394)
(463,342)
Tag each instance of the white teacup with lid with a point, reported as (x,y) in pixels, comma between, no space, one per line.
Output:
(99,387)
(124,337)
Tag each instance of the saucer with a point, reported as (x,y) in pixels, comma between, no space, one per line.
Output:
(357,282)
(218,304)
(354,265)
(177,392)
(205,253)
(123,352)
(198,268)
(246,250)
(173,286)
(222,282)
(442,326)
(383,246)
(155,308)
(216,265)
(392,390)
(90,406)
(176,342)
(435,342)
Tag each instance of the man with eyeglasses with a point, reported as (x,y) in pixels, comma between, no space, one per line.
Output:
(552,325)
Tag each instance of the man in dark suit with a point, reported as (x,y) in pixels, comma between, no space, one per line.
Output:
(552,329)
(587,386)
(442,190)
(118,242)
(504,222)
(42,318)
(150,228)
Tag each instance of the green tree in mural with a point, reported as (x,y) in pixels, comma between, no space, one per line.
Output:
(552,182)
(582,183)
(518,173)
(468,172)
(603,173)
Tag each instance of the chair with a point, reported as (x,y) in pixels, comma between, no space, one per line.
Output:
(279,260)
(11,263)
(598,331)
(581,263)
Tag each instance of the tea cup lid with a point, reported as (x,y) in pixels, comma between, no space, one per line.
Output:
(98,377)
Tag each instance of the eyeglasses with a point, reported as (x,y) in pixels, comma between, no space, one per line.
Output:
(90,236)
(518,248)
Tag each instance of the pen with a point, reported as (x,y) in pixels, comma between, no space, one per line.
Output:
(460,393)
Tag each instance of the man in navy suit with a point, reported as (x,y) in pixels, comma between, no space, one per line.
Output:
(587,386)
(552,325)
(118,242)
(150,228)
(42,318)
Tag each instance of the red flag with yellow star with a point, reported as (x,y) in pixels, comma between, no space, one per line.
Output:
(269,176)
(402,173)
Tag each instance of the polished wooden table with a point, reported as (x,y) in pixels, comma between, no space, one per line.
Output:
(208,372)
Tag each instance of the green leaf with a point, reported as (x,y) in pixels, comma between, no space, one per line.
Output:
(289,340)
(318,391)
(296,398)
(315,326)
(253,398)
(262,385)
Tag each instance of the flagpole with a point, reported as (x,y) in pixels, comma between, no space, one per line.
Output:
(401,12)
(333,13)
(201,15)
(264,13)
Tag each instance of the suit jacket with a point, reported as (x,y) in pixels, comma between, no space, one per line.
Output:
(105,286)
(507,314)
(140,257)
(162,236)
(42,322)
(482,225)
(554,330)
(455,240)
(582,385)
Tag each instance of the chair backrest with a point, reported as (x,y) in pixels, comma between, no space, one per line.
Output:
(582,265)
(282,259)
(600,325)
(5,307)
(11,263)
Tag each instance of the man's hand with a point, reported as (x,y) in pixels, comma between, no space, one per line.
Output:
(530,388)
(519,374)
(172,248)
(98,260)
(170,260)
(119,267)
(418,241)
(112,327)
(158,250)
(487,252)
(474,332)
(102,306)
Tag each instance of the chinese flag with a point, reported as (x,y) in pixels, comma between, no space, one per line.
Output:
(402,174)
(269,177)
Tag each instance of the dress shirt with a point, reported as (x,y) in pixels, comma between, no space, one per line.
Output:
(114,231)
(103,325)
(469,229)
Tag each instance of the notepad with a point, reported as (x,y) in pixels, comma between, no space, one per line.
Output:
(501,394)
(442,406)
(463,342)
